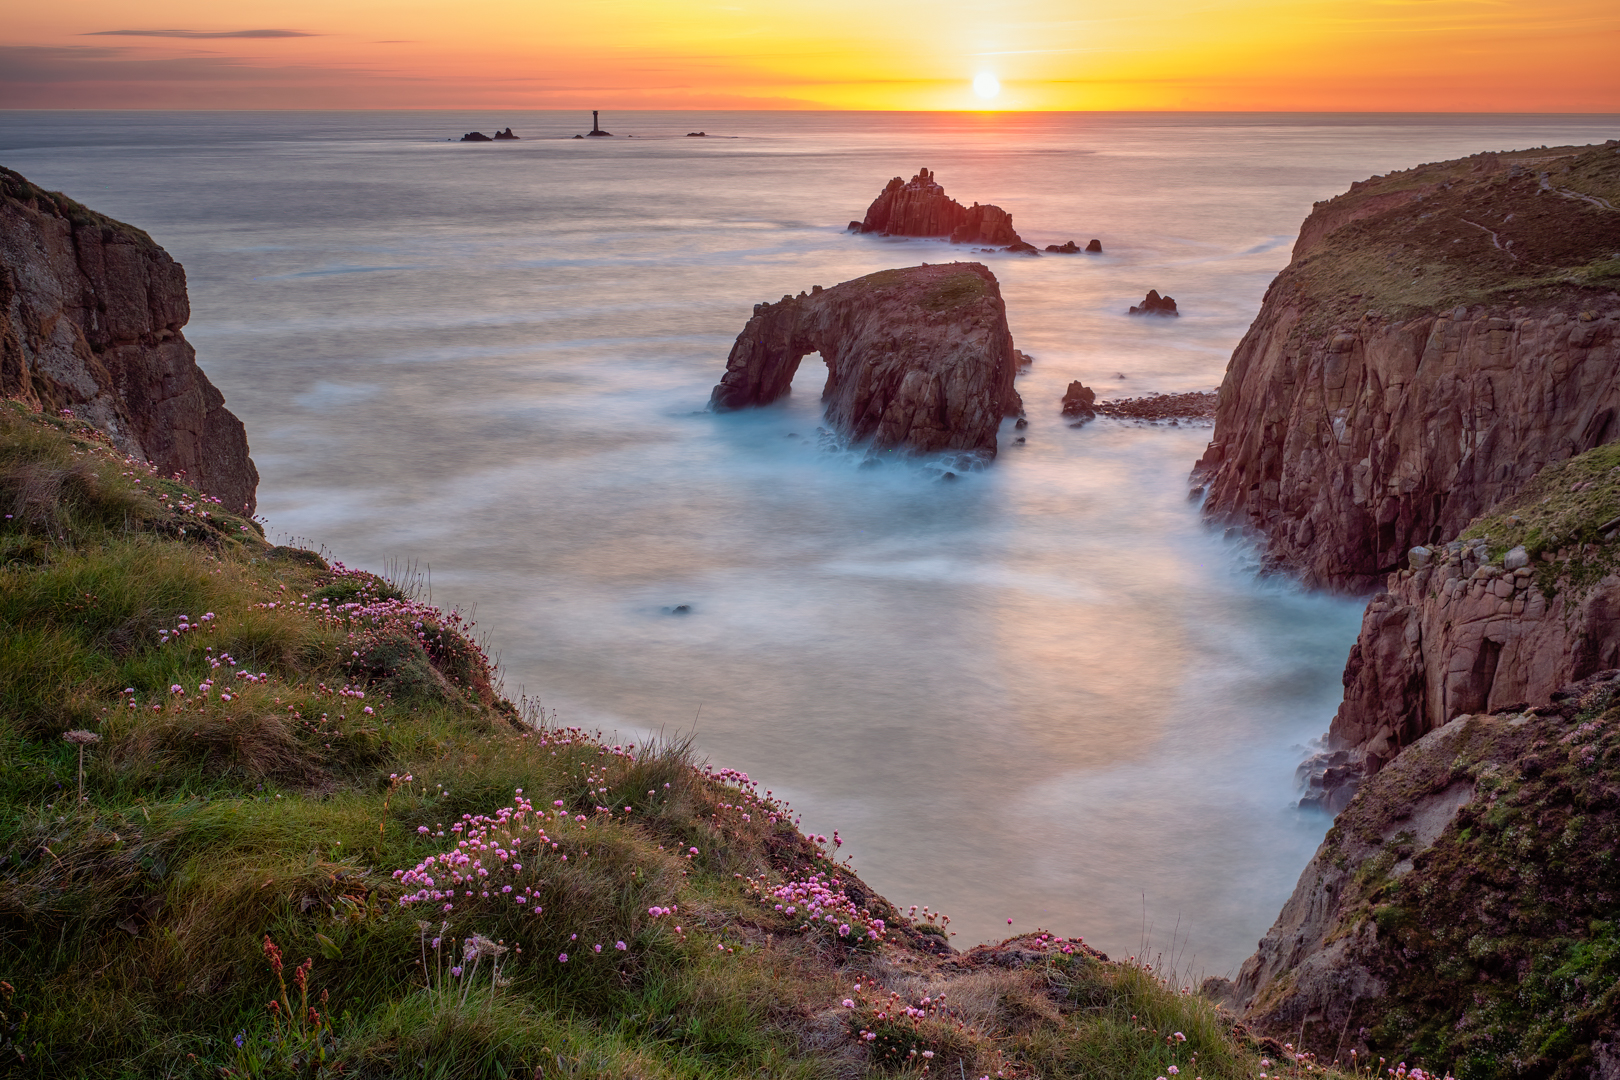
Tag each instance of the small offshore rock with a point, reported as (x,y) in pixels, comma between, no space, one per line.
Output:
(1079,401)
(1070,248)
(1155,304)
(476,136)
(507,134)
(1094,248)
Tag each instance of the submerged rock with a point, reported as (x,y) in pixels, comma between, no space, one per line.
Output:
(90,318)
(918,358)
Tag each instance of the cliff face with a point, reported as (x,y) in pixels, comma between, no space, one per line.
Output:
(90,318)
(1440,335)
(918,359)
(1462,910)
(1527,600)
(920,207)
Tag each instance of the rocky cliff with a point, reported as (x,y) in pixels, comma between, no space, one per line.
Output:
(920,207)
(1526,600)
(1440,335)
(90,318)
(918,359)
(1463,909)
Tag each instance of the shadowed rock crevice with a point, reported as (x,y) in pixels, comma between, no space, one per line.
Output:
(918,359)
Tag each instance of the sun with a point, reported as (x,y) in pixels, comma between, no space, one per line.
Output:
(986,85)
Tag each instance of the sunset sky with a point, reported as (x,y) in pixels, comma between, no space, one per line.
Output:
(1375,55)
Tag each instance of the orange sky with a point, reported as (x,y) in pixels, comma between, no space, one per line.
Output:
(1374,55)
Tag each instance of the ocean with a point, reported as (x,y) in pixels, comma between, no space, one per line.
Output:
(1046,694)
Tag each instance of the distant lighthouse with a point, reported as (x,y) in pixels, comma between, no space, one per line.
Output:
(596,124)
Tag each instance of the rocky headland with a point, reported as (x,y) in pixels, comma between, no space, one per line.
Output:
(91,311)
(1462,909)
(1440,336)
(1427,403)
(918,359)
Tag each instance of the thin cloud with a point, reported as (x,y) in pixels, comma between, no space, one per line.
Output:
(200,34)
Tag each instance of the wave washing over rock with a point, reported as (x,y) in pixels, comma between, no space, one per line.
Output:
(90,318)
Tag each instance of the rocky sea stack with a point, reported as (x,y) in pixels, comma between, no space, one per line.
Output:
(90,316)
(920,207)
(918,359)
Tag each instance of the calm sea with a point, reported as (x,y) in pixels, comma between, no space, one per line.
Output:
(1044,693)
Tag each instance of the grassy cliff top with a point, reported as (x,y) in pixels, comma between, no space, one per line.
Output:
(14,187)
(1567,519)
(261,815)
(1518,227)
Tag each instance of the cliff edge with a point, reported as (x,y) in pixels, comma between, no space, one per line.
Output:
(1440,336)
(1462,908)
(918,359)
(90,318)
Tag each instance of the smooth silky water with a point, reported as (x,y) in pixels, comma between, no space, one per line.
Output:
(1045,692)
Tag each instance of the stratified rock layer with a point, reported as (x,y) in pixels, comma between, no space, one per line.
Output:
(1440,335)
(1463,910)
(918,359)
(920,207)
(90,318)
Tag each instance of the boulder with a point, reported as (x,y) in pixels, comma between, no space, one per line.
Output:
(1155,304)
(91,311)
(919,359)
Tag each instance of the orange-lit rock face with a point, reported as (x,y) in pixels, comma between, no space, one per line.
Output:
(918,359)
(920,207)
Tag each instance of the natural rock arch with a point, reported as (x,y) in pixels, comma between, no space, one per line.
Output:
(918,358)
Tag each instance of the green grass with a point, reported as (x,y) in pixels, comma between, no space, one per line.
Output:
(1560,518)
(133,922)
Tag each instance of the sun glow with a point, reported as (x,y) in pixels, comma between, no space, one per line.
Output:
(1400,55)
